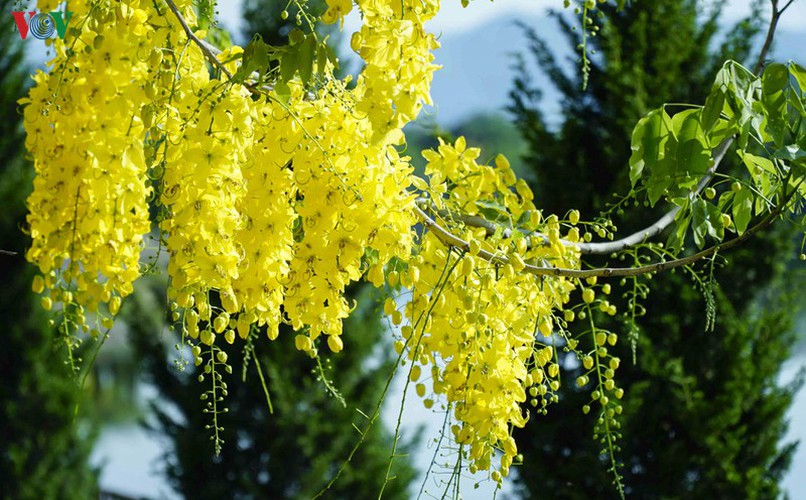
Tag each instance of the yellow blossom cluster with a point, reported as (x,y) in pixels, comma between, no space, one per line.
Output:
(396,81)
(484,328)
(270,205)
(270,208)
(88,210)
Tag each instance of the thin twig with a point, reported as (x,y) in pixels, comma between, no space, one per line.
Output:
(205,48)
(782,9)
(776,15)
(7,252)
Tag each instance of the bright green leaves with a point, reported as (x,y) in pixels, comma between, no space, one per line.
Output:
(706,219)
(742,209)
(670,154)
(774,103)
(647,141)
(305,55)
(255,58)
(712,110)
(298,56)
(783,107)
(693,155)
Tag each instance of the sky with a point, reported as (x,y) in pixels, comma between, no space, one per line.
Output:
(454,19)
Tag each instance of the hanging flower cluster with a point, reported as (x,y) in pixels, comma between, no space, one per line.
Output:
(88,210)
(270,204)
(485,328)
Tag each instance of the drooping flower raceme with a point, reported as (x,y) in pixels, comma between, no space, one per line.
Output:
(269,204)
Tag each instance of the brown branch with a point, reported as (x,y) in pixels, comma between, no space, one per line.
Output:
(205,48)
(776,15)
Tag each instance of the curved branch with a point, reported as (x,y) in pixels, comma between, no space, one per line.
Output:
(661,224)
(602,248)
(667,219)
(774,18)
(451,239)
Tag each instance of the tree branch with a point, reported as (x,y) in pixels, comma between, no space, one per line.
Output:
(776,15)
(603,248)
(782,9)
(204,46)
(451,239)
(661,224)
(656,228)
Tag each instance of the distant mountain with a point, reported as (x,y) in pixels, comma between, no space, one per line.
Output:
(478,71)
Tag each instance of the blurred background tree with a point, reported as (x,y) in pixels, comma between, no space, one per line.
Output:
(293,452)
(44,454)
(703,414)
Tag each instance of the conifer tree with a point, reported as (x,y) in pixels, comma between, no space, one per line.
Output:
(703,416)
(43,453)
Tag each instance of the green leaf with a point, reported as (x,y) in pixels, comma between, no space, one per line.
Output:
(712,110)
(799,73)
(742,209)
(255,58)
(693,158)
(678,236)
(693,161)
(492,210)
(792,152)
(283,92)
(716,226)
(307,52)
(646,144)
(686,125)
(332,57)
(775,78)
(321,58)
(751,161)
(288,64)
(699,221)
(706,220)
(296,36)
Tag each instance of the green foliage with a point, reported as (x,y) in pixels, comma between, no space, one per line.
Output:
(703,417)
(285,42)
(43,453)
(671,153)
(638,68)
